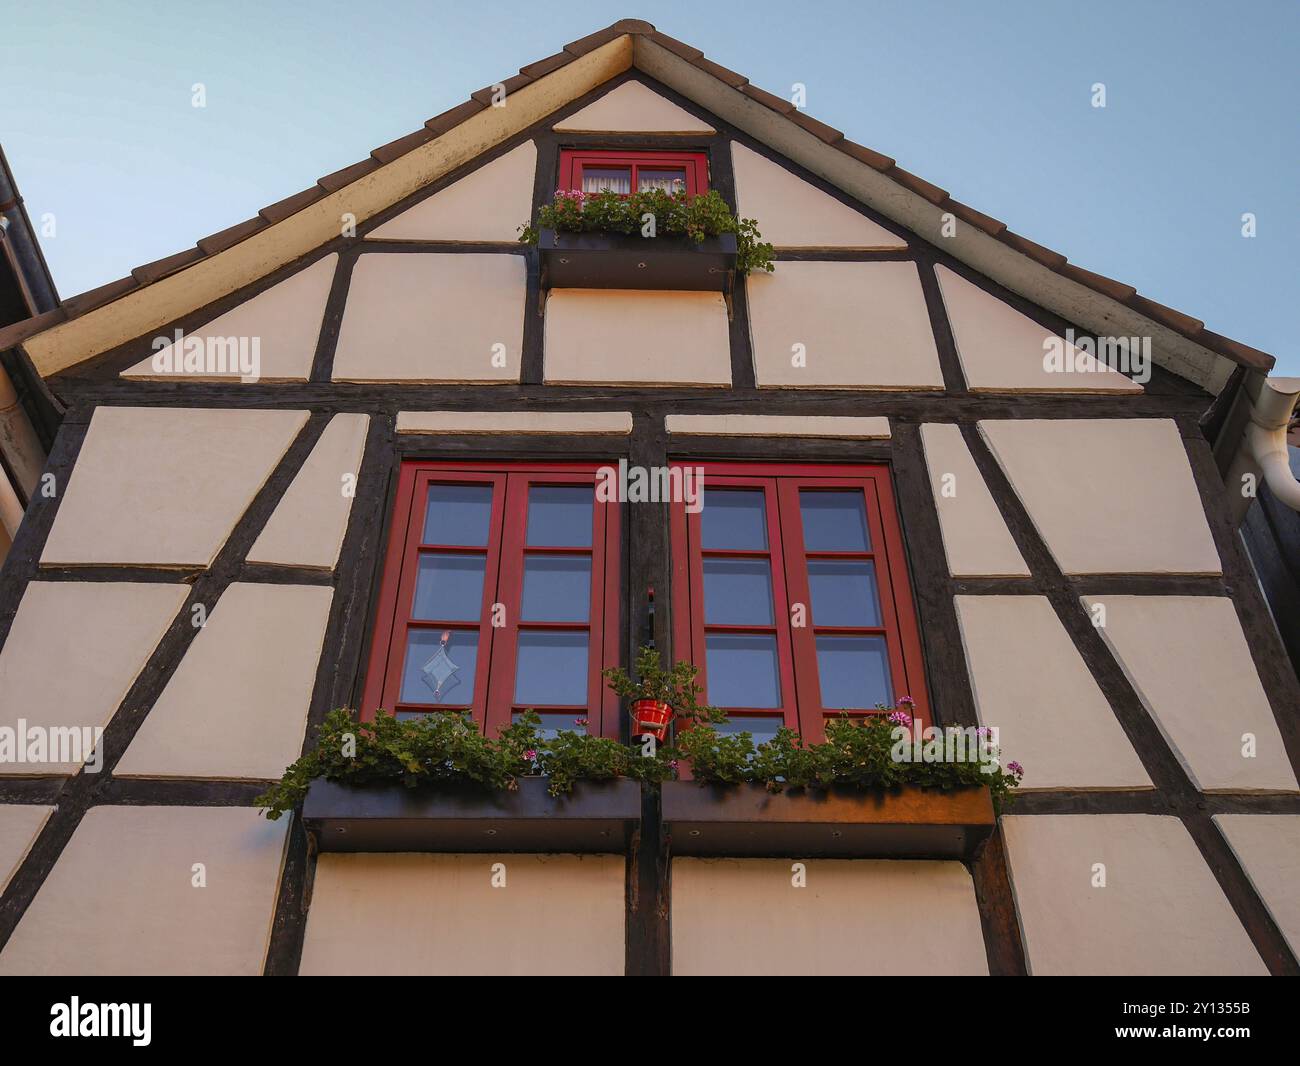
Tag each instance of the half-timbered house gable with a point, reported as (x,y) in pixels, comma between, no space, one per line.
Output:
(351,454)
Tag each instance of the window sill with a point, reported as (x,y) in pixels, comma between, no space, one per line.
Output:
(748,821)
(622,261)
(595,818)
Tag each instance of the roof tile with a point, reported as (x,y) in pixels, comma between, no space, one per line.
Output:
(290,205)
(160,268)
(231,235)
(592,41)
(1175,320)
(545,66)
(453,117)
(346,176)
(865,155)
(987,223)
(1116,290)
(765,98)
(675,46)
(512,84)
(88,301)
(386,153)
(1036,252)
(820,130)
(720,72)
(917,185)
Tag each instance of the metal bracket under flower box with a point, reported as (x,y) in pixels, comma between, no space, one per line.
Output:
(622,261)
(596,817)
(748,821)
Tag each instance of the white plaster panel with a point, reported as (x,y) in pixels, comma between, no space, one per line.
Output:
(165,486)
(1002,350)
(435,318)
(636,337)
(20,825)
(488,204)
(1031,683)
(975,537)
(1108,495)
(1189,662)
(73,652)
(860,325)
(236,708)
(122,900)
(741,917)
(285,320)
(870,428)
(1161,911)
(632,108)
(540,422)
(307,526)
(422,914)
(791,213)
(1268,848)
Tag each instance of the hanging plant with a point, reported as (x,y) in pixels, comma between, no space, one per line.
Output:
(658,696)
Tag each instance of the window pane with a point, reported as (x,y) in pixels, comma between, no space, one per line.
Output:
(763,727)
(735,520)
(742,670)
(834,521)
(670,180)
(458,514)
(854,672)
(437,674)
(737,592)
(557,588)
(449,588)
(843,592)
(607,179)
(559,516)
(557,722)
(551,668)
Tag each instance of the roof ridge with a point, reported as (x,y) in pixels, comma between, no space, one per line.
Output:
(1192,329)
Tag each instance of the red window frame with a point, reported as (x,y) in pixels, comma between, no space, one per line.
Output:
(574,160)
(801,708)
(494,680)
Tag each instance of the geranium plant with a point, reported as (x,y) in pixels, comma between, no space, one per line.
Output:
(447,749)
(670,214)
(858,753)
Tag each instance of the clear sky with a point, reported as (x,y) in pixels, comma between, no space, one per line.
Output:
(990,100)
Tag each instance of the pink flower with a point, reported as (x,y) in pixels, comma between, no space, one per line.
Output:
(672,763)
(901,718)
(580,721)
(906,701)
(530,754)
(1016,768)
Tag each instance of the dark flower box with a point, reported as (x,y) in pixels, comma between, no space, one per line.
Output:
(622,261)
(748,821)
(596,817)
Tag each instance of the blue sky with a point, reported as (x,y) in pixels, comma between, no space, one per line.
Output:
(991,101)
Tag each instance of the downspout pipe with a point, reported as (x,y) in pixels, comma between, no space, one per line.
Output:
(1263,453)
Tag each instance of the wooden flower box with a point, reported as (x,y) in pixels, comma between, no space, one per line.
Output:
(748,821)
(596,817)
(621,261)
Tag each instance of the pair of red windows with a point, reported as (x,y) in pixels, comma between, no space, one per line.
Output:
(501,592)
(627,172)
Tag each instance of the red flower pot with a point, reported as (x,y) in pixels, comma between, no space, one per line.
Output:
(651,716)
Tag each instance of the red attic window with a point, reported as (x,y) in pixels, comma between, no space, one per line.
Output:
(499,594)
(791,595)
(627,172)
